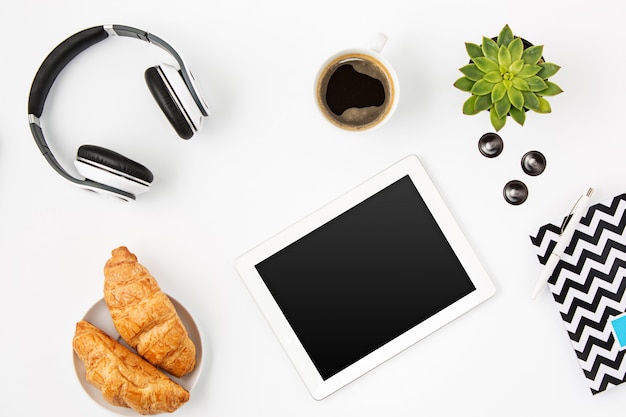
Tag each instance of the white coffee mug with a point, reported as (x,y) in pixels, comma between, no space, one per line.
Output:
(357,89)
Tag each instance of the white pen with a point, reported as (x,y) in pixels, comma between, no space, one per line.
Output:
(579,210)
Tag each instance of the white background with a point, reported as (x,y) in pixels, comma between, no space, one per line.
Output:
(265,159)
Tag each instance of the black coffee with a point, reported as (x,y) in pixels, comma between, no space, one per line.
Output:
(355,91)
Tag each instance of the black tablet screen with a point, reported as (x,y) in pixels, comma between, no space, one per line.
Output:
(365,277)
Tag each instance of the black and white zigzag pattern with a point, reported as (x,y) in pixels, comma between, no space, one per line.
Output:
(589,288)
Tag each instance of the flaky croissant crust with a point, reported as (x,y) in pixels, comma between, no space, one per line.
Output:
(124,378)
(144,316)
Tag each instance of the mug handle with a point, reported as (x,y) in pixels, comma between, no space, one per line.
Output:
(379,42)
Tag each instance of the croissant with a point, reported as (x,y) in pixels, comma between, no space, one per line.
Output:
(125,379)
(144,316)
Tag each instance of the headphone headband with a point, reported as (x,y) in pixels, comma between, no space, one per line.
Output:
(56,61)
(77,43)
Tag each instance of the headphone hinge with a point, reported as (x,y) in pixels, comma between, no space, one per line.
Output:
(32,119)
(128,31)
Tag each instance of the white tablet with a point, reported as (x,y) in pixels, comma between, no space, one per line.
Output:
(365,277)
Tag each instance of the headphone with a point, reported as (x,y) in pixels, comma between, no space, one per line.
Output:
(105,171)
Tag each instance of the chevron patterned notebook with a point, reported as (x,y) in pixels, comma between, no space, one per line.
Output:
(588,286)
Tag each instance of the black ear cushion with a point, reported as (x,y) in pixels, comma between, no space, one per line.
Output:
(115,161)
(161,94)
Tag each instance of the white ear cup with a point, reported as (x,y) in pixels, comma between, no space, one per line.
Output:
(106,175)
(181,95)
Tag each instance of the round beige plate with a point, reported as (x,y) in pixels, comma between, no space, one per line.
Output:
(99,316)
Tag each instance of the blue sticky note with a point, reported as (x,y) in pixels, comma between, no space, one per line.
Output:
(619,328)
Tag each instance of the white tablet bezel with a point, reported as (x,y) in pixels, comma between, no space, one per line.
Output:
(246,263)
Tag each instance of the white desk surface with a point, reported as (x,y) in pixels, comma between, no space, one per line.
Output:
(265,159)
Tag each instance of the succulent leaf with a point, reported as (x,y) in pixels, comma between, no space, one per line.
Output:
(544,106)
(499,90)
(504,57)
(548,69)
(493,77)
(490,48)
(552,90)
(483,103)
(516,67)
(473,50)
(482,87)
(485,64)
(536,84)
(469,105)
(529,70)
(516,98)
(520,84)
(472,72)
(532,55)
(464,84)
(516,48)
(503,106)
(497,122)
(518,115)
(531,101)
(506,36)
(507,84)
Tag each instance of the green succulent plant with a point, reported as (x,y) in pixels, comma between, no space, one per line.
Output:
(505,78)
